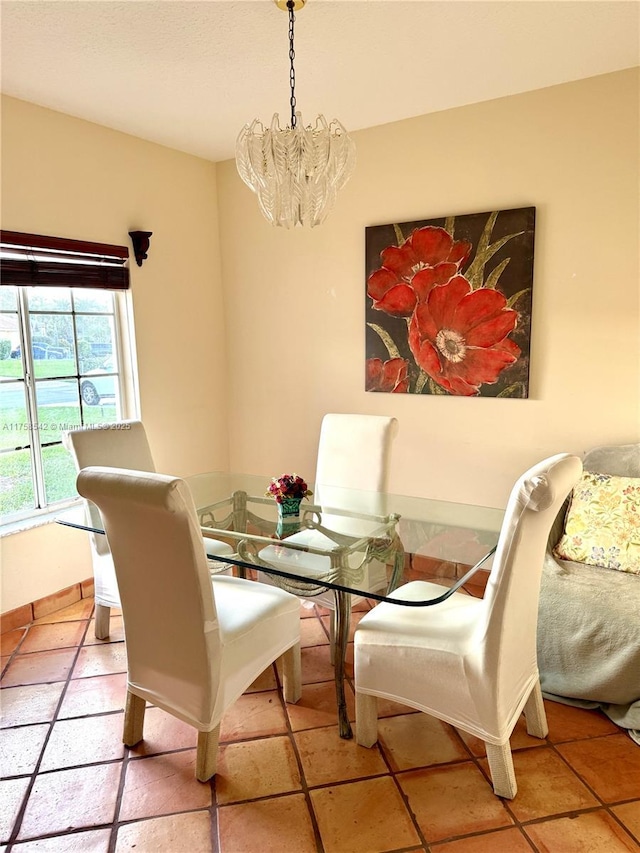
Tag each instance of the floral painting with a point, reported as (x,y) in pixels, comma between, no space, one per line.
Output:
(449,305)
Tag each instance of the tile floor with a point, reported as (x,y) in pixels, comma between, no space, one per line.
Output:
(286,782)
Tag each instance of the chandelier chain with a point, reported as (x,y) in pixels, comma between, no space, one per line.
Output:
(292,70)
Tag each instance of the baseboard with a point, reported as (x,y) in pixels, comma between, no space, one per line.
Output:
(21,616)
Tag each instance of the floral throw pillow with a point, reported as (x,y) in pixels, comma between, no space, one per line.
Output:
(602,526)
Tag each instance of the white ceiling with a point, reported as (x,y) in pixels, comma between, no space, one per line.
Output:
(190,73)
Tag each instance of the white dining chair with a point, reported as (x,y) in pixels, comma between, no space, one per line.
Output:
(194,642)
(352,473)
(471,662)
(123,444)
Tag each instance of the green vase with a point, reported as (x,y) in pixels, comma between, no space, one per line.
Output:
(288,517)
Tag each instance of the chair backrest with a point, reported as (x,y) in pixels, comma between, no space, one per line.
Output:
(507,634)
(354,453)
(122,444)
(173,643)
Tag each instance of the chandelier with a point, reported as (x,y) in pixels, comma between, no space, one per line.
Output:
(295,171)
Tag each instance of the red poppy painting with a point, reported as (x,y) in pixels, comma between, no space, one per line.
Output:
(449,305)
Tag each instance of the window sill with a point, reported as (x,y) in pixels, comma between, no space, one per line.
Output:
(73,511)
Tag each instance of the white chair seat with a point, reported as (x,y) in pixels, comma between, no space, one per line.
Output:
(372,576)
(255,624)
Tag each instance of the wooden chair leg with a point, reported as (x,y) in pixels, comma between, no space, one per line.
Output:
(535,714)
(133,719)
(102,616)
(291,674)
(502,773)
(366,719)
(207,754)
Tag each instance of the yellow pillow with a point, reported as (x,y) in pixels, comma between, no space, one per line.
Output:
(602,526)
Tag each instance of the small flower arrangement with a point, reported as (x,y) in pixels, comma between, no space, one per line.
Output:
(288,486)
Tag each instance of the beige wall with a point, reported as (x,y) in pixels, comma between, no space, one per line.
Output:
(70,178)
(288,337)
(295,300)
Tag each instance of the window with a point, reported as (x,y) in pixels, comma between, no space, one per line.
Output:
(63,350)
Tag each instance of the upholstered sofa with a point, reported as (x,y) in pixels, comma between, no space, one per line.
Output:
(589,619)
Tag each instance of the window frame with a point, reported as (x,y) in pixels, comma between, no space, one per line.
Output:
(45,263)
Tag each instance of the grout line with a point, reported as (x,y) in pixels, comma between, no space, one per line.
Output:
(306,790)
(291,735)
(17,825)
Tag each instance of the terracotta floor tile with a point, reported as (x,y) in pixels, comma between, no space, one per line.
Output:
(93,841)
(254,715)
(34,703)
(265,681)
(85,740)
(629,814)
(10,640)
(452,801)
(282,825)
(67,799)
(256,768)
(96,695)
(594,832)
(78,610)
(100,660)
(546,786)
(610,765)
(327,758)
(312,633)
(569,723)
(356,616)
(519,739)
(363,816)
(12,793)
(20,749)
(317,706)
(164,733)
(116,632)
(163,784)
(57,636)
(316,665)
(418,740)
(503,841)
(39,667)
(184,833)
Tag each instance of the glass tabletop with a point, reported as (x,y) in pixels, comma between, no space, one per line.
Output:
(364,543)
(359,542)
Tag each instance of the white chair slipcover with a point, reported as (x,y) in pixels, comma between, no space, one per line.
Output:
(122,444)
(194,642)
(471,662)
(353,454)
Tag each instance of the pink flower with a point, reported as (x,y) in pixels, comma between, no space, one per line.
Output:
(459,336)
(430,256)
(288,486)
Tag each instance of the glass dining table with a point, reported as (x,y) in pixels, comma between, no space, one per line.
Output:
(346,545)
